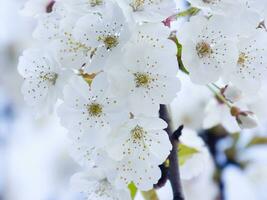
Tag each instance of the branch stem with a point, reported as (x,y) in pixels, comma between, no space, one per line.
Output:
(174,173)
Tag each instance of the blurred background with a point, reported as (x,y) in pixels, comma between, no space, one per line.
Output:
(34,158)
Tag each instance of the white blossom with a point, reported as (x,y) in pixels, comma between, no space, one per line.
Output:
(112,63)
(44,79)
(106,34)
(149,77)
(141,141)
(94,185)
(89,110)
(251,66)
(208,48)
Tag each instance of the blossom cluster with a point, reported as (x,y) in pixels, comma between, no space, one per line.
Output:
(110,64)
(224,47)
(106,66)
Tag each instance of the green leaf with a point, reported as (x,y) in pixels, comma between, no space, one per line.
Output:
(257,141)
(185,153)
(133,189)
(150,195)
(189,12)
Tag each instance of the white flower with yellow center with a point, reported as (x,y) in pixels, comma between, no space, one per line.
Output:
(148,77)
(94,185)
(44,79)
(251,66)
(71,52)
(106,34)
(57,30)
(139,142)
(208,48)
(89,111)
(148,10)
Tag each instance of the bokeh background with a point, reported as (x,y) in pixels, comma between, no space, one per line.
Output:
(34,158)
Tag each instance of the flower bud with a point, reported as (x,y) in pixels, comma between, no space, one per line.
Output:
(245,119)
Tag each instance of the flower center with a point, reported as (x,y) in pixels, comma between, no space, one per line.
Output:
(110,41)
(203,49)
(94,3)
(137,133)
(141,80)
(50,77)
(242,59)
(137,4)
(95,109)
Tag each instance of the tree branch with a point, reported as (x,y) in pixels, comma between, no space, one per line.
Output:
(174,173)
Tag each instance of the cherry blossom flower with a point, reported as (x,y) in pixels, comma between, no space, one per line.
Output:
(149,77)
(94,185)
(251,65)
(139,142)
(112,64)
(44,79)
(105,34)
(89,110)
(208,48)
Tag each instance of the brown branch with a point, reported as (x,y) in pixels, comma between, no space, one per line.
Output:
(174,173)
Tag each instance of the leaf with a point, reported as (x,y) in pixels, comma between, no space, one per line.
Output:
(189,12)
(257,141)
(133,189)
(185,153)
(150,195)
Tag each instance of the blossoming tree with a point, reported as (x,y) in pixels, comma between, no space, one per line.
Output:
(114,67)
